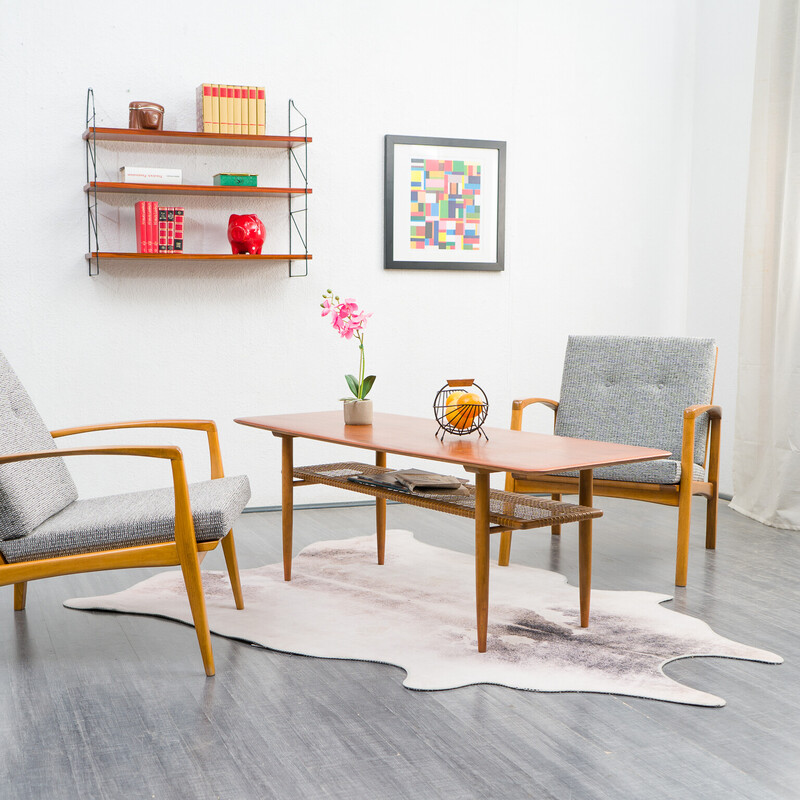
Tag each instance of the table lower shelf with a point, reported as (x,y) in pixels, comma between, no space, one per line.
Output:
(507,510)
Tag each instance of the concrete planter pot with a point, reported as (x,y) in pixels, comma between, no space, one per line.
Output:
(358,412)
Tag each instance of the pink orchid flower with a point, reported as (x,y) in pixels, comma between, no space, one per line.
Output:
(349,321)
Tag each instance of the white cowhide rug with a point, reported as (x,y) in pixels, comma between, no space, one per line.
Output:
(418,612)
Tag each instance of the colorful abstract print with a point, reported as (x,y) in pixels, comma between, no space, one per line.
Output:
(445,204)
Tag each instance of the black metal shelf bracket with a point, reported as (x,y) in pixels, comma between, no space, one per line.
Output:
(298,176)
(91,180)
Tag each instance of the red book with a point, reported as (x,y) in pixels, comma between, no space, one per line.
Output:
(141,226)
(152,227)
(170,229)
(162,230)
(178,243)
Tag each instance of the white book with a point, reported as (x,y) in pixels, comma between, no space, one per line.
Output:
(150,175)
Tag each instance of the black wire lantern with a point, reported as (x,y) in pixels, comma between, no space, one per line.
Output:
(457,417)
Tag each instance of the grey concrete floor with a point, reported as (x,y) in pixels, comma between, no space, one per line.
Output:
(100,705)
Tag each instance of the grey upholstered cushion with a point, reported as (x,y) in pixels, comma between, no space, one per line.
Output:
(124,520)
(663,471)
(633,390)
(30,491)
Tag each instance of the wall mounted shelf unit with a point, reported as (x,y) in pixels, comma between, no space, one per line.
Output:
(297,189)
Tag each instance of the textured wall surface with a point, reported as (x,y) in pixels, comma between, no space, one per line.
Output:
(598,103)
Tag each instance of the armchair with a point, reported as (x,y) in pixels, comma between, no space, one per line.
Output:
(45,530)
(649,391)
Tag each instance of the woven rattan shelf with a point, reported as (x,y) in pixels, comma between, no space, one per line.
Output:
(506,510)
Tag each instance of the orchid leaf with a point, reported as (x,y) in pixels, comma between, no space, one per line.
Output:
(352,382)
(367,385)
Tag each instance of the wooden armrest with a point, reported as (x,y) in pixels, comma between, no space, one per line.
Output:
(207,425)
(149,451)
(184,525)
(192,424)
(690,416)
(714,412)
(518,405)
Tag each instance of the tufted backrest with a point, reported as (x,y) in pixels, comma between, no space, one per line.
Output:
(30,491)
(633,390)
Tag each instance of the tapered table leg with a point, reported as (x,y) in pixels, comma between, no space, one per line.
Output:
(585,546)
(482,556)
(287,503)
(380,512)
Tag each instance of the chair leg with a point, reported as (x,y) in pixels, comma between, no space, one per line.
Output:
(711,521)
(197,602)
(684,523)
(505,549)
(555,529)
(229,551)
(20,595)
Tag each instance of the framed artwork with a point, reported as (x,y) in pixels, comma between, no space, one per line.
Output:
(444,203)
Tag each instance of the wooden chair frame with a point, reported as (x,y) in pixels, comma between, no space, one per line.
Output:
(679,495)
(185,551)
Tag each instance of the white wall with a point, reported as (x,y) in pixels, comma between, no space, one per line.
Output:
(602,108)
(723,85)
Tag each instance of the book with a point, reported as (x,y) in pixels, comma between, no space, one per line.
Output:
(152,227)
(243,91)
(261,111)
(223,108)
(150,175)
(215,108)
(237,109)
(252,113)
(204,108)
(177,244)
(419,480)
(162,230)
(230,109)
(170,233)
(384,481)
(140,211)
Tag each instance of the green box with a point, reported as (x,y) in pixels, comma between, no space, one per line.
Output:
(235,179)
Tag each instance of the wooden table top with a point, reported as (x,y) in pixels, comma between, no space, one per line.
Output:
(505,451)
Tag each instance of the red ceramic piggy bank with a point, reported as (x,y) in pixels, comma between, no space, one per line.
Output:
(246,234)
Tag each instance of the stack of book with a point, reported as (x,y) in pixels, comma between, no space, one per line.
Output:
(222,108)
(159,229)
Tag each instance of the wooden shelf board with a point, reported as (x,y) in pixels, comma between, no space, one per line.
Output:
(197,257)
(104,187)
(192,137)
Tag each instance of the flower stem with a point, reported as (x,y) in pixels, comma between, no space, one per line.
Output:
(360,366)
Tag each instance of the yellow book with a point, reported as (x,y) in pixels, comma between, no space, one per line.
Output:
(204,108)
(237,109)
(214,108)
(230,109)
(223,108)
(252,122)
(261,112)
(243,91)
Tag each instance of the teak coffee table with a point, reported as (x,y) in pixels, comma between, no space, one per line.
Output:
(519,452)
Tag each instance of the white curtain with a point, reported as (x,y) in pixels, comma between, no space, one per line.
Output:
(766,468)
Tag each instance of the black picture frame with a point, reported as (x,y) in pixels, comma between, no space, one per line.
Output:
(405,245)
